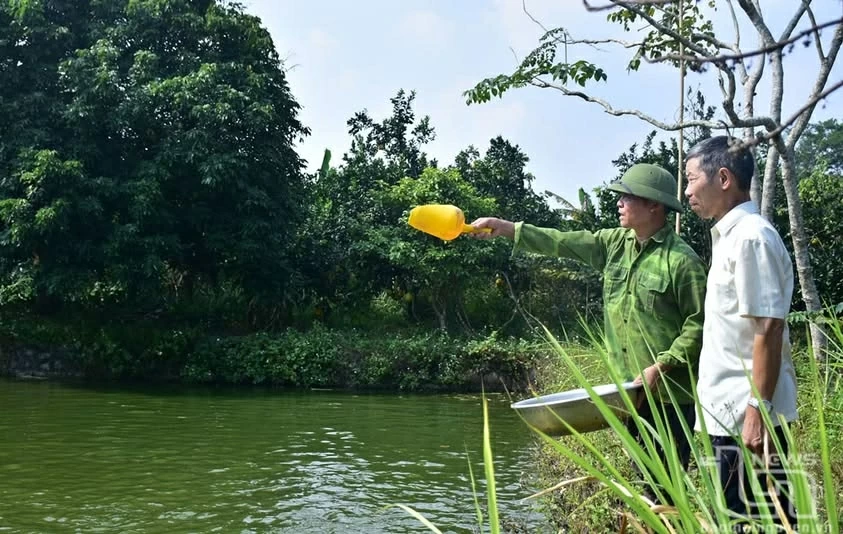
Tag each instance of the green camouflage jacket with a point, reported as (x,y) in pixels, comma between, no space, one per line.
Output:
(653,296)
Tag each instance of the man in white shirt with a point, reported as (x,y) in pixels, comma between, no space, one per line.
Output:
(745,363)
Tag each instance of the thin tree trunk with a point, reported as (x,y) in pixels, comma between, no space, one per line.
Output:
(805,274)
(755,189)
(749,85)
(749,81)
(462,316)
(768,196)
(441,311)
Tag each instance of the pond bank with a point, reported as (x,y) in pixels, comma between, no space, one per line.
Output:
(318,357)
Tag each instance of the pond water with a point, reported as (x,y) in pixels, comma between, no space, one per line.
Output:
(79,458)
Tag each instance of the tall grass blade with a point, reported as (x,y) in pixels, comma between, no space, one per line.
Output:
(477,508)
(418,516)
(491,492)
(819,404)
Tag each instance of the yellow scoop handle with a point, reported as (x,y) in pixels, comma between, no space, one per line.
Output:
(441,220)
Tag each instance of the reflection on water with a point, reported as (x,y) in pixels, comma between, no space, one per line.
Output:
(77,459)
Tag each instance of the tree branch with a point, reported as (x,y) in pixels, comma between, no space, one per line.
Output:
(775,128)
(614,4)
(721,83)
(729,92)
(712,41)
(755,76)
(794,20)
(751,84)
(801,122)
(749,87)
(726,72)
(772,47)
(816,34)
(757,21)
(778,130)
(608,108)
(753,11)
(737,47)
(524,8)
(625,44)
(661,28)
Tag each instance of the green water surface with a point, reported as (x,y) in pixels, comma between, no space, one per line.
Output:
(104,459)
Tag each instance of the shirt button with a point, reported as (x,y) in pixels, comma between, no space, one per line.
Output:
(623,349)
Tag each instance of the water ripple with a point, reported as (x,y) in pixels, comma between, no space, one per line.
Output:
(75,459)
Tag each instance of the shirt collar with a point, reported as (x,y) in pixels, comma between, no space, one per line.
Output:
(658,237)
(728,221)
(662,234)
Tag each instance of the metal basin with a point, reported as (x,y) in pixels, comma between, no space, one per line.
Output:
(575,407)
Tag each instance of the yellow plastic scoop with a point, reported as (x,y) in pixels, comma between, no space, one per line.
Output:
(441,220)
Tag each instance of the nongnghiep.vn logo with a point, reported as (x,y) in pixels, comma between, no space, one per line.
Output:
(776,481)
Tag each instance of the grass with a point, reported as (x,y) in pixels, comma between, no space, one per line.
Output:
(598,491)
(610,501)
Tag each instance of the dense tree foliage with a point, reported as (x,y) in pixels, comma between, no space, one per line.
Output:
(358,243)
(502,174)
(153,174)
(343,265)
(820,157)
(821,142)
(153,155)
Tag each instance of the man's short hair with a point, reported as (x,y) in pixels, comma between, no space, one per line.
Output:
(726,152)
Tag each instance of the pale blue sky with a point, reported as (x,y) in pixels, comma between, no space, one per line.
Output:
(345,56)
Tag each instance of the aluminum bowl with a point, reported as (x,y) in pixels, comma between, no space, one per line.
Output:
(575,407)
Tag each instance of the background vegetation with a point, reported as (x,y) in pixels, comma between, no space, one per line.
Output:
(157,222)
(153,179)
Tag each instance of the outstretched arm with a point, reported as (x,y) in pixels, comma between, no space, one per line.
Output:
(587,247)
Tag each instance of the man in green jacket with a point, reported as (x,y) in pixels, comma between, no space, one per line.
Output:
(653,291)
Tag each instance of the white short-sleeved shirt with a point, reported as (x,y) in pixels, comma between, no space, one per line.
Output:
(751,276)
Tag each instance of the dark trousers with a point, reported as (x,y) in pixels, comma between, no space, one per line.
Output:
(735,481)
(671,416)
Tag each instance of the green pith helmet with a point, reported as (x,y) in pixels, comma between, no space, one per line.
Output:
(651,182)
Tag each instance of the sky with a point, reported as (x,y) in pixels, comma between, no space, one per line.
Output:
(344,56)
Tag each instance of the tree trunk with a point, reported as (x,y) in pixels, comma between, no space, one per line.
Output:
(755,189)
(462,317)
(800,249)
(440,308)
(777,95)
(749,85)
(768,196)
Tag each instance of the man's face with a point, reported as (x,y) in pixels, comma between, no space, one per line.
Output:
(701,190)
(633,211)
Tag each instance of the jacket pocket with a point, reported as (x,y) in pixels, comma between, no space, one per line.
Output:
(650,288)
(614,282)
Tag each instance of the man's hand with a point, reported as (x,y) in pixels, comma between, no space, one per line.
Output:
(498,227)
(650,377)
(766,367)
(753,431)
